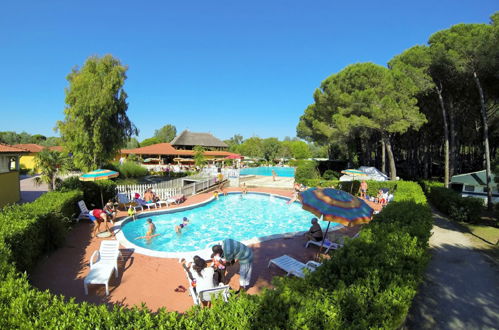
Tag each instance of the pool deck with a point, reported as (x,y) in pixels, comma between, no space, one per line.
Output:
(152,280)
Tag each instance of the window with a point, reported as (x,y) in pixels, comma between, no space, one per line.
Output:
(469,188)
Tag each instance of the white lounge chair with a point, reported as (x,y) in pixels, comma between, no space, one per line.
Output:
(222,291)
(99,274)
(126,202)
(143,203)
(83,211)
(108,253)
(160,202)
(327,244)
(106,263)
(292,266)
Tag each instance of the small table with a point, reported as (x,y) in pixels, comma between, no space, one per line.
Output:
(99,274)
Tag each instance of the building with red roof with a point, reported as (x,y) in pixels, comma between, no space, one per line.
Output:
(9,174)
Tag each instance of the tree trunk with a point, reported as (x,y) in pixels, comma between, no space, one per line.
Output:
(446,136)
(391,160)
(485,140)
(453,144)
(383,156)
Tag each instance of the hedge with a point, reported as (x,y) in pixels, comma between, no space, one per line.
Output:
(305,170)
(450,202)
(91,190)
(369,283)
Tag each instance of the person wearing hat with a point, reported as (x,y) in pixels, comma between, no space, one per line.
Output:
(315,231)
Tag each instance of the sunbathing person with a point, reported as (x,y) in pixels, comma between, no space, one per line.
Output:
(315,231)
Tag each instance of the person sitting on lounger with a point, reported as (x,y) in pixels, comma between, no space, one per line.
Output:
(315,231)
(201,277)
(178,228)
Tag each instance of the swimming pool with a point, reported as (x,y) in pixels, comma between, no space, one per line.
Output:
(288,172)
(237,216)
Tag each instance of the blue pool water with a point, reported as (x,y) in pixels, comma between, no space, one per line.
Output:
(267,171)
(236,216)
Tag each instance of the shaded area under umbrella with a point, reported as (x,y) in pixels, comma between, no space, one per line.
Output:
(334,205)
(100,174)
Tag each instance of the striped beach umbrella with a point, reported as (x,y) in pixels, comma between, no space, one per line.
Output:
(353,172)
(99,174)
(334,205)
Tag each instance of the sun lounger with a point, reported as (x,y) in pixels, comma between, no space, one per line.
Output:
(105,264)
(108,253)
(143,203)
(124,201)
(327,244)
(84,211)
(292,266)
(177,199)
(99,274)
(160,202)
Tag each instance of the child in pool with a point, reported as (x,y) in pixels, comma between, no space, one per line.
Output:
(184,224)
(215,194)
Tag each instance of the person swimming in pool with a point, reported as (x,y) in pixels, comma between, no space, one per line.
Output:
(151,231)
(178,228)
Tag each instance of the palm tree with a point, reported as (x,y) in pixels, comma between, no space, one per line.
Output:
(49,163)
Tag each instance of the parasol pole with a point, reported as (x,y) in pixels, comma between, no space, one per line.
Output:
(325,234)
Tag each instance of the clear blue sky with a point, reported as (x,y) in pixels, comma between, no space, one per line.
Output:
(222,66)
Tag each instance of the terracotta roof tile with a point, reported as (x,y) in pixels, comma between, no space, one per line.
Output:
(10,149)
(167,149)
(57,148)
(31,147)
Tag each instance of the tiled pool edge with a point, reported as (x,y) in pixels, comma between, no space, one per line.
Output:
(204,253)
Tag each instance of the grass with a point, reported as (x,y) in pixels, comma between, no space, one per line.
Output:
(485,234)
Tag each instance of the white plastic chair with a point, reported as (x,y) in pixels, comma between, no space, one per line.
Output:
(210,294)
(83,211)
(102,268)
(292,266)
(108,253)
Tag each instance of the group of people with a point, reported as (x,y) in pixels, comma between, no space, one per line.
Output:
(212,273)
(381,198)
(150,196)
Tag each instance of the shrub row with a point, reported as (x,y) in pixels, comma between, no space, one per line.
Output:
(369,283)
(450,202)
(306,170)
(91,190)
(30,230)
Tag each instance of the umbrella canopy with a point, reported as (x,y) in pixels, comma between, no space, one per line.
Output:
(353,172)
(99,174)
(336,206)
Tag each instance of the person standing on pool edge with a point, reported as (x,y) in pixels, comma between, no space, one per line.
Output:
(234,251)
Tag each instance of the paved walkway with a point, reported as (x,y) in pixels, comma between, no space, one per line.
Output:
(461,289)
(31,191)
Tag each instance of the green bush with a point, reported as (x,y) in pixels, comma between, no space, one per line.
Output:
(330,175)
(130,169)
(450,202)
(306,170)
(369,283)
(29,230)
(91,190)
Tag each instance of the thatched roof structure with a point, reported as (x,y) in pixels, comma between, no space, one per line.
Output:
(191,139)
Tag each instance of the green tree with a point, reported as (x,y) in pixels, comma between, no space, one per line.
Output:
(96,124)
(300,150)
(234,143)
(472,48)
(166,133)
(270,148)
(199,158)
(251,147)
(149,142)
(49,164)
(132,143)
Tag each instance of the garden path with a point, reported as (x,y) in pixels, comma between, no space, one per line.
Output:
(30,190)
(461,290)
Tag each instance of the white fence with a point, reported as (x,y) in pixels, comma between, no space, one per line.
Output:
(169,188)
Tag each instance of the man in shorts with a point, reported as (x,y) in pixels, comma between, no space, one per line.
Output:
(234,251)
(98,216)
